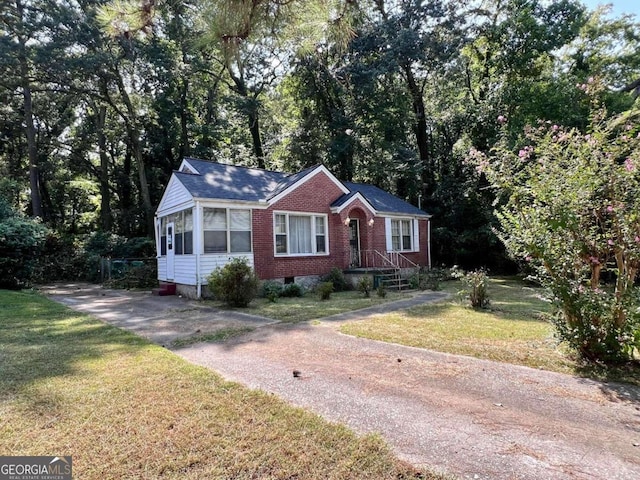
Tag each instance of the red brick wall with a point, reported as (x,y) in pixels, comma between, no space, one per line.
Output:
(316,196)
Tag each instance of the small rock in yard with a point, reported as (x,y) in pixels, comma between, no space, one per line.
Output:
(399,360)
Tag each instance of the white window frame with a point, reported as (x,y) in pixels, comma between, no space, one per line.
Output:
(314,244)
(414,236)
(228,230)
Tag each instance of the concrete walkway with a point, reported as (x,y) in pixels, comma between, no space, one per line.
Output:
(471,418)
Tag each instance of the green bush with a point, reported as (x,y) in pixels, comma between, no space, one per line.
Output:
(381,291)
(337,278)
(271,290)
(22,242)
(476,284)
(236,284)
(292,290)
(365,286)
(325,289)
(136,276)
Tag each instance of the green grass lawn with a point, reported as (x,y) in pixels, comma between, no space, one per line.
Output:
(310,307)
(511,330)
(125,408)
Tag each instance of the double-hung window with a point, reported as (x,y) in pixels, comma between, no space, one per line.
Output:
(300,234)
(402,235)
(227,230)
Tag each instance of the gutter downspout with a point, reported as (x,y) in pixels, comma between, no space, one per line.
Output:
(429,243)
(197,221)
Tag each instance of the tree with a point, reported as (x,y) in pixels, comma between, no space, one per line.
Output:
(571,213)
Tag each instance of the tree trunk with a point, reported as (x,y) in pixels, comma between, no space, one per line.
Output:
(185,148)
(34,174)
(136,149)
(105,193)
(254,128)
(253,117)
(420,122)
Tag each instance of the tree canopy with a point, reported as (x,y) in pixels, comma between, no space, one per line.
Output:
(102,99)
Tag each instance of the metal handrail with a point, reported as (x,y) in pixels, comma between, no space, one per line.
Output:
(377,259)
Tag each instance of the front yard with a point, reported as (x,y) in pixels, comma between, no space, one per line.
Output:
(125,408)
(511,330)
(310,307)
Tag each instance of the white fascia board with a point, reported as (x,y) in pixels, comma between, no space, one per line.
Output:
(163,207)
(357,196)
(319,169)
(185,163)
(222,202)
(425,216)
(176,208)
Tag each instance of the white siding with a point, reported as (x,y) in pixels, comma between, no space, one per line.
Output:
(209,262)
(176,195)
(162,269)
(185,269)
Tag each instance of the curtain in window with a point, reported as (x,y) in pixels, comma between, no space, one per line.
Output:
(300,232)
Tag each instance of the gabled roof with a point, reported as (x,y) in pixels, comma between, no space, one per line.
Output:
(230,182)
(382,201)
(212,180)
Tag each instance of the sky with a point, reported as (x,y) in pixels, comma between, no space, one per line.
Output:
(619,6)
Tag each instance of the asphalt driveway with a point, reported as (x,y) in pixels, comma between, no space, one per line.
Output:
(472,418)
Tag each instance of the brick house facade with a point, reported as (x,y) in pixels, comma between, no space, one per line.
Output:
(290,227)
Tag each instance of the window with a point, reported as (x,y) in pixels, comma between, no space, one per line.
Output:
(227,230)
(402,235)
(183,232)
(300,234)
(163,236)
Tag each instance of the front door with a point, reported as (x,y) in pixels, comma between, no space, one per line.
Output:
(354,242)
(171,268)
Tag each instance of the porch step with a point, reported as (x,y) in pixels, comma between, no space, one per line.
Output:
(392,281)
(165,289)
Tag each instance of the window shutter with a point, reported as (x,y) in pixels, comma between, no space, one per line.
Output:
(416,235)
(387,231)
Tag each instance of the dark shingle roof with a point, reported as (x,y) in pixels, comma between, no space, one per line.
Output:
(382,201)
(230,182)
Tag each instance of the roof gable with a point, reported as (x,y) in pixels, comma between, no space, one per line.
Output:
(202,179)
(382,201)
(174,195)
(298,179)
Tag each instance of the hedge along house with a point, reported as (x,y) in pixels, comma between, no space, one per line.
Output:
(290,227)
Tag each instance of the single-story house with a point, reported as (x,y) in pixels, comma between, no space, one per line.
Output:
(290,227)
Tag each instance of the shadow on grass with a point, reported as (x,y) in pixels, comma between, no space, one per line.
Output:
(40,339)
(619,382)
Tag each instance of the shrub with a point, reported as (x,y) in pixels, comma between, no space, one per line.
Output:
(325,289)
(22,242)
(292,290)
(365,286)
(337,278)
(271,290)
(569,202)
(136,276)
(428,278)
(236,284)
(381,291)
(476,284)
